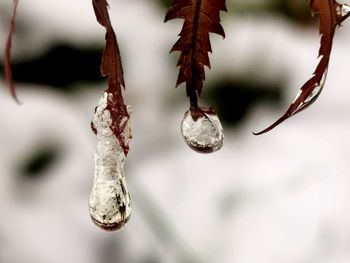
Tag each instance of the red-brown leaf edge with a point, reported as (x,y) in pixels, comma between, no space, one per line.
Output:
(111,67)
(201,18)
(7,53)
(331,17)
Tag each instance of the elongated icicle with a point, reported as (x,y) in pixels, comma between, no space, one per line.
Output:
(110,203)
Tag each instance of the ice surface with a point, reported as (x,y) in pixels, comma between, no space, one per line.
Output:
(110,203)
(204,135)
(343,10)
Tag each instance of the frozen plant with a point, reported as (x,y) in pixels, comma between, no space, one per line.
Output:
(110,203)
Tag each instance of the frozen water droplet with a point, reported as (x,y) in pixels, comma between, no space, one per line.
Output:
(314,94)
(343,11)
(202,130)
(110,203)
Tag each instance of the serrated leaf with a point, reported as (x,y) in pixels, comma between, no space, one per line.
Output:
(111,67)
(332,14)
(201,18)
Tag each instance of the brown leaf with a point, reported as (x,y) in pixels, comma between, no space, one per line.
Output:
(111,66)
(331,15)
(201,18)
(7,53)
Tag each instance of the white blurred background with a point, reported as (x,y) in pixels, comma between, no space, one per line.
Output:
(283,197)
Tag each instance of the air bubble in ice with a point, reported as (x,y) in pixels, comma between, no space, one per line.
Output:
(202,130)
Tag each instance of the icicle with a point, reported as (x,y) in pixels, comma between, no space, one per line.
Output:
(202,130)
(110,203)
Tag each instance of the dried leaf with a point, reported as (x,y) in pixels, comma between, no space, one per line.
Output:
(201,18)
(111,66)
(332,14)
(7,54)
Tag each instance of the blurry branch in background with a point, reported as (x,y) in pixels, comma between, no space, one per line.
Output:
(157,221)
